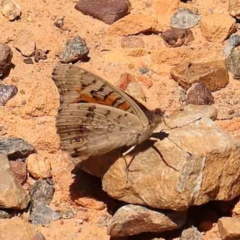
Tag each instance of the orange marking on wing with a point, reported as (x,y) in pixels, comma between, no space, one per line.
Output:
(124,106)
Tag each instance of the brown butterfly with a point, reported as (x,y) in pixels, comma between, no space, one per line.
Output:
(96,117)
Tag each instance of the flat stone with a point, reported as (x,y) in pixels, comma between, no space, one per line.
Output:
(15,148)
(6,93)
(12,195)
(177,37)
(124,80)
(38,166)
(232,63)
(184,18)
(234,8)
(25,43)
(217,27)
(134,89)
(108,11)
(17,229)
(6,55)
(74,50)
(4,214)
(132,219)
(20,170)
(43,215)
(229,228)
(198,94)
(132,42)
(214,75)
(11,9)
(181,173)
(132,24)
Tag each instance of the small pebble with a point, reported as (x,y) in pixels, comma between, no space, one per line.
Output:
(6,93)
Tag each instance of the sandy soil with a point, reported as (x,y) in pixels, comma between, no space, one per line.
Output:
(31,113)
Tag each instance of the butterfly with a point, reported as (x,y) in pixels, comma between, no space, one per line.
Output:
(95,117)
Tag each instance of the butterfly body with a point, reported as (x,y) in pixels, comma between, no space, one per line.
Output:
(95,117)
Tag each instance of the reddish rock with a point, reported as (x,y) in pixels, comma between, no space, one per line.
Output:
(133,24)
(20,170)
(214,74)
(146,81)
(177,37)
(229,228)
(107,11)
(198,94)
(124,81)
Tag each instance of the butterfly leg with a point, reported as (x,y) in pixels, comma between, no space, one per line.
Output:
(129,150)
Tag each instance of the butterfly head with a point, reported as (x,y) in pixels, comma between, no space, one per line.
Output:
(157,116)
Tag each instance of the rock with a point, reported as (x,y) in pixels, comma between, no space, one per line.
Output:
(213,75)
(131,220)
(25,43)
(12,195)
(233,41)
(38,236)
(108,11)
(42,214)
(217,27)
(16,229)
(20,170)
(11,9)
(198,94)
(39,166)
(59,23)
(132,42)
(4,214)
(15,148)
(181,173)
(191,233)
(184,18)
(6,93)
(132,24)
(201,110)
(40,55)
(232,63)
(234,8)
(135,90)
(146,81)
(6,55)
(124,80)
(177,37)
(74,50)
(42,192)
(163,10)
(229,228)
(28,60)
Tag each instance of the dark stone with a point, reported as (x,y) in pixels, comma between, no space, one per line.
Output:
(40,55)
(107,11)
(42,214)
(75,49)
(4,214)
(5,59)
(198,94)
(59,23)
(233,41)
(232,63)
(6,93)
(42,192)
(184,18)
(15,148)
(38,236)
(177,37)
(143,70)
(28,60)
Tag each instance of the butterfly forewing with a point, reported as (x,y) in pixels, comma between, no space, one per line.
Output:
(95,117)
(79,86)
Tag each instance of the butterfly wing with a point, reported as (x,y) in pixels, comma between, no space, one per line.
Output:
(77,85)
(94,116)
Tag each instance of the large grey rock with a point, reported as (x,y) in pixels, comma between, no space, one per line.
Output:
(12,195)
(233,63)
